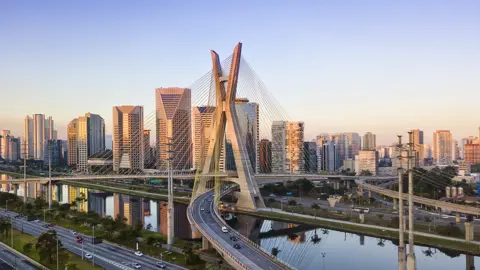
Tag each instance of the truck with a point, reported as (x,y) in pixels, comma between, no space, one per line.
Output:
(96,240)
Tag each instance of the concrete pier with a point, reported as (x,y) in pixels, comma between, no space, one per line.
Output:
(206,244)
(411,265)
(469,231)
(395,201)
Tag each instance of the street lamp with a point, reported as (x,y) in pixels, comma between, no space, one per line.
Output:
(93,244)
(323,256)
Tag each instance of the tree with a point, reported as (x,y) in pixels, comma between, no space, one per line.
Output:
(121,222)
(47,246)
(275,251)
(190,257)
(71,266)
(365,173)
(138,226)
(109,225)
(27,248)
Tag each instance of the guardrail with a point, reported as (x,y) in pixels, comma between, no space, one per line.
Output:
(213,241)
(17,253)
(265,253)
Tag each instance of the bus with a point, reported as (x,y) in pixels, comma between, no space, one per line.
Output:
(359,209)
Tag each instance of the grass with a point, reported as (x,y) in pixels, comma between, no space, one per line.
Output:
(20,239)
(427,241)
(124,191)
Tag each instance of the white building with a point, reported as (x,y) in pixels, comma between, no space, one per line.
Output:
(37,132)
(367,161)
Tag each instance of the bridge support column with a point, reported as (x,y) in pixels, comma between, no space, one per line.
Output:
(348,185)
(206,244)
(470,262)
(15,189)
(369,194)
(411,265)
(457,218)
(360,191)
(336,185)
(469,231)
(401,258)
(362,217)
(395,204)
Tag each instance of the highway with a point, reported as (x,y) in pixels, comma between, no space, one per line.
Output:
(246,254)
(106,255)
(8,260)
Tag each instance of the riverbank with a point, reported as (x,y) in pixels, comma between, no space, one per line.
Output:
(138,193)
(425,239)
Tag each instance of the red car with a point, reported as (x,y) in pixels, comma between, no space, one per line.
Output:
(79,240)
(50,224)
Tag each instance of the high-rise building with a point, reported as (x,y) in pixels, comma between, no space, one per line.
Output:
(310,149)
(428,151)
(442,147)
(369,141)
(173,108)
(14,149)
(366,160)
(279,140)
(265,156)
(86,137)
(455,150)
(149,159)
(287,147)
(54,153)
(472,153)
(128,143)
(329,156)
(37,132)
(72,142)
(418,147)
(4,144)
(249,122)
(202,119)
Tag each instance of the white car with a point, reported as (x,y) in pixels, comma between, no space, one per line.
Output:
(73,232)
(224,229)
(136,265)
(36,221)
(201,209)
(88,256)
(139,253)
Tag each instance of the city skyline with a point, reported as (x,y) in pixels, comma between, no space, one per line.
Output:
(364,59)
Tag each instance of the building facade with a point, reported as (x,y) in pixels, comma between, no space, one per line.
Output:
(418,147)
(248,118)
(442,147)
(310,149)
(369,141)
(287,147)
(128,142)
(265,156)
(367,161)
(472,153)
(279,129)
(37,131)
(173,122)
(202,120)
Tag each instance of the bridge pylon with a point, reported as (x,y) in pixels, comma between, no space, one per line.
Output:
(226,117)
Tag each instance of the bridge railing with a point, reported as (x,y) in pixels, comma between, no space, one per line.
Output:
(213,241)
(265,253)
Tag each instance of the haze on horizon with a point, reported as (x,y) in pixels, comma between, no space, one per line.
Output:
(353,66)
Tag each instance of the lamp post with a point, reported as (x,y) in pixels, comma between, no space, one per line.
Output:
(57,253)
(93,244)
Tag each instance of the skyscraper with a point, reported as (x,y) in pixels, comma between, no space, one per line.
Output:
(128,143)
(149,160)
(310,157)
(265,156)
(442,147)
(173,107)
(5,144)
(248,117)
(418,147)
(86,137)
(472,153)
(287,147)
(369,141)
(329,156)
(37,132)
(72,142)
(202,119)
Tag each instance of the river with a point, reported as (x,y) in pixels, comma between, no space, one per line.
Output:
(299,247)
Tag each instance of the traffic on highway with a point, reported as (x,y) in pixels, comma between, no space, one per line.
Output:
(103,254)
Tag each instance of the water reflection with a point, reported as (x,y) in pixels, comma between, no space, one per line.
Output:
(314,248)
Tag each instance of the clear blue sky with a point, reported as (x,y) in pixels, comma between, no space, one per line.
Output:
(357,66)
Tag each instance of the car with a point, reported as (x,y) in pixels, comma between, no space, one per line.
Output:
(207,212)
(237,246)
(161,265)
(111,248)
(50,224)
(139,253)
(79,240)
(201,209)
(73,232)
(36,221)
(88,256)
(233,238)
(224,229)
(46,226)
(136,265)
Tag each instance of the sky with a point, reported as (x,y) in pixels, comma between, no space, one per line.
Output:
(379,66)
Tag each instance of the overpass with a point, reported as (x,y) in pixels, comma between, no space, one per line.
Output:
(417,199)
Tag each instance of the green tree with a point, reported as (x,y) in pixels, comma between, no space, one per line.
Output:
(275,251)
(27,248)
(71,266)
(109,226)
(365,173)
(315,207)
(121,222)
(190,257)
(47,246)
